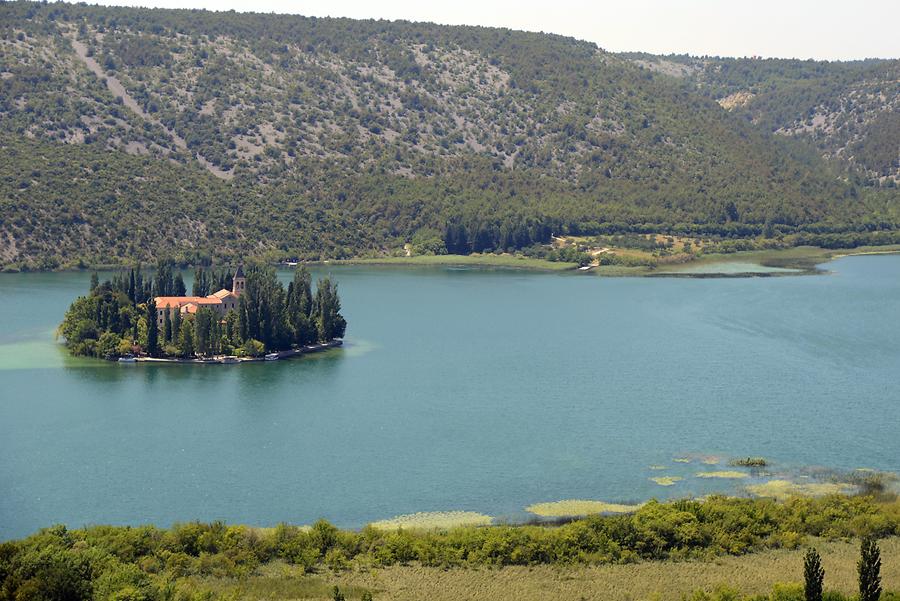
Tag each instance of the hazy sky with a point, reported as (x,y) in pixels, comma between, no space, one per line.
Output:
(822,29)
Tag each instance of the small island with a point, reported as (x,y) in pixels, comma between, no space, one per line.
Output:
(251,317)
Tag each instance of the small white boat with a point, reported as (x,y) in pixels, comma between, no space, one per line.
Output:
(127,359)
(272,357)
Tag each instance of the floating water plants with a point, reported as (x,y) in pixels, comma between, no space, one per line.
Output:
(574,507)
(434,520)
(723,474)
(667,480)
(786,488)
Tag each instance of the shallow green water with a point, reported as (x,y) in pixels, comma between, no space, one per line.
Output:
(459,389)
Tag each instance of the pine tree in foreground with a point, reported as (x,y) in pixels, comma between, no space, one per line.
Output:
(813,575)
(869,568)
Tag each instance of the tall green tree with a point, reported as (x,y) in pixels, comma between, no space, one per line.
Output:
(132,290)
(152,329)
(330,324)
(299,307)
(813,576)
(186,346)
(167,326)
(202,282)
(176,325)
(231,332)
(261,308)
(205,331)
(869,569)
(179,288)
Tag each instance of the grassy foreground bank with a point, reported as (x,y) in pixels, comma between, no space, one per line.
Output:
(212,561)
(761,576)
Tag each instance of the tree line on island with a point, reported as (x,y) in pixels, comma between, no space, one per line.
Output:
(119,316)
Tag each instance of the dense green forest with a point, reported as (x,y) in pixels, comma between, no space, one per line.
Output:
(130,134)
(149,563)
(119,316)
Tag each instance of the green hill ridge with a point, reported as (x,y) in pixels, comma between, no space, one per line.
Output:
(136,133)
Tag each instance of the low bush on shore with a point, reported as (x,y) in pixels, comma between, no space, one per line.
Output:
(107,562)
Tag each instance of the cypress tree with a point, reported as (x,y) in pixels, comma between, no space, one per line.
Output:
(814,576)
(204,331)
(299,306)
(179,287)
(140,293)
(176,326)
(152,329)
(186,339)
(869,568)
(167,326)
(131,286)
(95,281)
(329,322)
(231,331)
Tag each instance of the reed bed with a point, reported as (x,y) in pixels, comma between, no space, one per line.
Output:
(782,489)
(726,474)
(667,480)
(434,520)
(578,507)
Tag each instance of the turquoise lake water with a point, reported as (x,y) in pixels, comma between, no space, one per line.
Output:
(458,389)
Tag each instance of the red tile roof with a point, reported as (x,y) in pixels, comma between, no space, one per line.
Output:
(174,302)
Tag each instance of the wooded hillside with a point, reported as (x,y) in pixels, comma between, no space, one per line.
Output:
(134,133)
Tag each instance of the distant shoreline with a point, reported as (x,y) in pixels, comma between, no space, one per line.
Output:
(801,258)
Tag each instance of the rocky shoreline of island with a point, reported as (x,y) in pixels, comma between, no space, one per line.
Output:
(233,359)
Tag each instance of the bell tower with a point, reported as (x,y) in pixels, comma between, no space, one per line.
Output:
(238,282)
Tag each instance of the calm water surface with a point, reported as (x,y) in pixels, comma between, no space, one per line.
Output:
(458,389)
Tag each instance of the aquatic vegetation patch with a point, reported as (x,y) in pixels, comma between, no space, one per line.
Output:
(711,460)
(434,520)
(658,467)
(723,474)
(786,488)
(872,482)
(667,480)
(573,507)
(749,462)
(682,459)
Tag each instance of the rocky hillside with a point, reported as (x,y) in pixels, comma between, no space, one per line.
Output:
(849,112)
(211,134)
